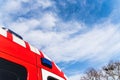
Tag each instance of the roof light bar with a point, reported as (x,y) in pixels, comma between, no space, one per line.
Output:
(12,32)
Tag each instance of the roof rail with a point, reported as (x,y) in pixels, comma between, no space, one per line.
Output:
(17,35)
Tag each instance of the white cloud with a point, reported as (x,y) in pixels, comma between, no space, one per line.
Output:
(75,77)
(48,21)
(7,8)
(11,6)
(103,41)
(23,26)
(14,9)
(45,3)
(51,37)
(70,27)
(32,26)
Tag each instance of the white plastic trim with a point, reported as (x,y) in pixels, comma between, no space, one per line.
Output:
(18,41)
(3,32)
(46,73)
(35,50)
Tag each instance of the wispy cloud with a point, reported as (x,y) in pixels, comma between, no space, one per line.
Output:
(87,45)
(84,10)
(45,3)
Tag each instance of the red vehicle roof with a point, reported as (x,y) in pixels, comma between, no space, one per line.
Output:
(15,46)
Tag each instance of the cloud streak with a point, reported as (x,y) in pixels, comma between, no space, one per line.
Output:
(88,45)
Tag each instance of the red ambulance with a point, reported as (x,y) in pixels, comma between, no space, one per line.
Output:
(21,61)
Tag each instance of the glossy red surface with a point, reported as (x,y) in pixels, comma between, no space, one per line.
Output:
(16,53)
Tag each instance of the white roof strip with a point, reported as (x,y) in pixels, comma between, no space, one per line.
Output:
(37,51)
(34,49)
(3,32)
(19,41)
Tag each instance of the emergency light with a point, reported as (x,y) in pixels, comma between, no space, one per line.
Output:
(46,62)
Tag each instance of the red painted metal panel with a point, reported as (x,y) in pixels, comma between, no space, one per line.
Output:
(24,56)
(54,69)
(13,49)
(31,69)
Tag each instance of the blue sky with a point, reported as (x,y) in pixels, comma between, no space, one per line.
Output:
(76,34)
